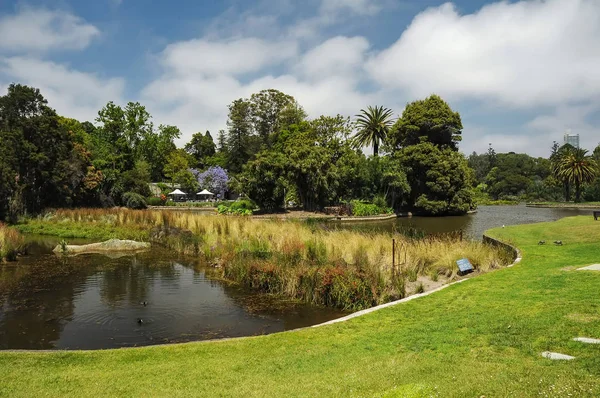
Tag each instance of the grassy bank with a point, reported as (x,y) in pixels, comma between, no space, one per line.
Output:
(479,338)
(491,202)
(581,205)
(345,269)
(11,243)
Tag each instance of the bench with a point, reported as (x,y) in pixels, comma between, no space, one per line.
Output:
(596,214)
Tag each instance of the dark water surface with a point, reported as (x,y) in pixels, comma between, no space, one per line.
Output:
(473,225)
(92,302)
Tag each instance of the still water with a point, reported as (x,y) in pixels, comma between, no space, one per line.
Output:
(92,302)
(473,225)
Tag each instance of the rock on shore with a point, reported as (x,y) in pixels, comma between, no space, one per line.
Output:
(113,245)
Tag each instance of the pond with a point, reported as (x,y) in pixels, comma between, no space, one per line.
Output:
(94,302)
(473,225)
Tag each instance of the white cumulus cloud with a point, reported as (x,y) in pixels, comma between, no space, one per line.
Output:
(238,56)
(72,93)
(39,29)
(339,56)
(360,7)
(523,54)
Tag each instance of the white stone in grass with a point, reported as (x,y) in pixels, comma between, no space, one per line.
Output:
(587,340)
(593,267)
(555,356)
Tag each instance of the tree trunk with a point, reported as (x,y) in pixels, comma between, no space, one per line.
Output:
(577,192)
(375,148)
(567,192)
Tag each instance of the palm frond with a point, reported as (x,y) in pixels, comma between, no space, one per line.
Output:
(373,126)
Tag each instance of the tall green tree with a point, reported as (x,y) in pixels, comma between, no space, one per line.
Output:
(480,165)
(373,126)
(395,183)
(431,120)
(201,147)
(440,179)
(555,160)
(267,108)
(156,146)
(263,180)
(578,168)
(137,128)
(222,141)
(37,151)
(177,170)
(239,138)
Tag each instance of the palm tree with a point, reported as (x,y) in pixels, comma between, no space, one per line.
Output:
(374,125)
(576,167)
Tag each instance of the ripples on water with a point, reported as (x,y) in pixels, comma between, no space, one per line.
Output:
(91,302)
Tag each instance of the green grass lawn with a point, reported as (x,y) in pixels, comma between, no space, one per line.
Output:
(479,338)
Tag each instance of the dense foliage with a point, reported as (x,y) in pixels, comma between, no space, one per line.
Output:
(568,174)
(271,153)
(362,209)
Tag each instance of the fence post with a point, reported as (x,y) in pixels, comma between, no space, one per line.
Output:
(393,258)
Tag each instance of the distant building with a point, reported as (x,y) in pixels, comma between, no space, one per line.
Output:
(572,139)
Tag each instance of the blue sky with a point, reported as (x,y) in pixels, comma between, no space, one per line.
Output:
(520,72)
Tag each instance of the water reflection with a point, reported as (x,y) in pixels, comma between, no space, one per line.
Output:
(473,225)
(92,301)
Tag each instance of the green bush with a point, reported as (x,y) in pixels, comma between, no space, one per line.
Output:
(154,201)
(222,209)
(244,204)
(380,201)
(134,201)
(164,188)
(363,209)
(240,208)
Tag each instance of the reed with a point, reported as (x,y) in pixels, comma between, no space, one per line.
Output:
(345,269)
(11,243)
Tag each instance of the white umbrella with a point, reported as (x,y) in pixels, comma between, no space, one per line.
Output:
(205,192)
(177,192)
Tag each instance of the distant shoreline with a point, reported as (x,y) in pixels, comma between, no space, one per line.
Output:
(559,205)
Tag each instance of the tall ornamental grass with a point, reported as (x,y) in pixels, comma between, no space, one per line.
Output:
(340,268)
(11,243)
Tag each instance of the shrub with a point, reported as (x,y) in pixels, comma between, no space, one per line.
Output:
(240,208)
(133,200)
(223,209)
(164,188)
(363,209)
(420,288)
(380,201)
(244,204)
(154,201)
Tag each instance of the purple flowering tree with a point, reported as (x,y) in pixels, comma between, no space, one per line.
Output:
(215,179)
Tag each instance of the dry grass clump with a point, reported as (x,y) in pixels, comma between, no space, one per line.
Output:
(11,243)
(341,268)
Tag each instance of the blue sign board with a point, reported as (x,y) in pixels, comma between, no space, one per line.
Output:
(464,266)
